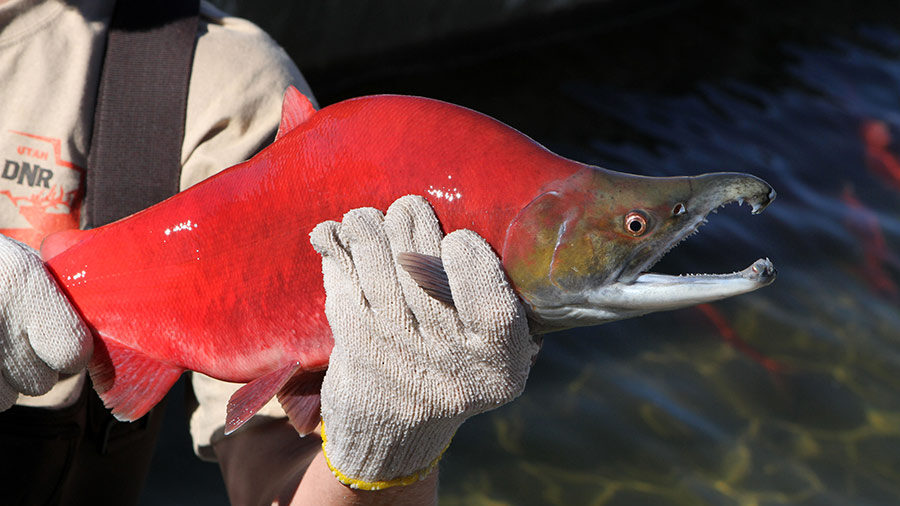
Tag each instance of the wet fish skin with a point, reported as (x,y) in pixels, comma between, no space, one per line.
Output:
(221,278)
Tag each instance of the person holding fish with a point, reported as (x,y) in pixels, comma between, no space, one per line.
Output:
(417,331)
(406,369)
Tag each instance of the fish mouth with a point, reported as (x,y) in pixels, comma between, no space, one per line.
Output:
(634,291)
(702,205)
(658,292)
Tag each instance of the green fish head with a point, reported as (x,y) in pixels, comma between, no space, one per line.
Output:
(580,252)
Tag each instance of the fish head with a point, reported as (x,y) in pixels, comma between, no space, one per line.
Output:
(580,252)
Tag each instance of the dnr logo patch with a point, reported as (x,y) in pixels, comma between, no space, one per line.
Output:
(40,191)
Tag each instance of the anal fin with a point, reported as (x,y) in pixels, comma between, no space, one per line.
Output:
(129,382)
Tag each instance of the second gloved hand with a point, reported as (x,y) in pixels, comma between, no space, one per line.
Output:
(407,369)
(40,333)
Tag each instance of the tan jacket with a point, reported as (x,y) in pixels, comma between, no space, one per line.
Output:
(50,53)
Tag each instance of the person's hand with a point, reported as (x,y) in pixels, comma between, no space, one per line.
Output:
(41,334)
(407,369)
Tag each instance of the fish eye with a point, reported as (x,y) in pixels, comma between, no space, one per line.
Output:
(678,209)
(636,223)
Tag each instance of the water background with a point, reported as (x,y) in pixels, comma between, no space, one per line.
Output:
(789,395)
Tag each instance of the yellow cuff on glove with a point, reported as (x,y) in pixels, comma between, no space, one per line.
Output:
(378,485)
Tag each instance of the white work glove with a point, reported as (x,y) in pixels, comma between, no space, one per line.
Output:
(407,369)
(41,334)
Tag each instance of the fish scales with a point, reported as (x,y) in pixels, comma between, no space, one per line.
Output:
(221,277)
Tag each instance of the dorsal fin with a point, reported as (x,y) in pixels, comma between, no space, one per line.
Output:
(295,109)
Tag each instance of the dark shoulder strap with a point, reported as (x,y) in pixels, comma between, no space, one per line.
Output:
(135,155)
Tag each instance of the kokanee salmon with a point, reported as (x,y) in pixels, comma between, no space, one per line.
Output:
(221,278)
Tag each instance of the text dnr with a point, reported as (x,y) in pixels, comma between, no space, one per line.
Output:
(25,173)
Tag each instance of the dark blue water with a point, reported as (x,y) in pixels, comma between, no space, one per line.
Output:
(664,409)
(789,395)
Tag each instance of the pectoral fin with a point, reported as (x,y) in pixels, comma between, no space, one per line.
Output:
(428,272)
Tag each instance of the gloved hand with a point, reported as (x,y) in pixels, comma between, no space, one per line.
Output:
(40,333)
(407,369)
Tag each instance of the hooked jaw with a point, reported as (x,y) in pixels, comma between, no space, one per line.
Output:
(572,272)
(630,290)
(650,293)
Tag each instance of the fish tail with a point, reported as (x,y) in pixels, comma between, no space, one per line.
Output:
(58,242)
(129,382)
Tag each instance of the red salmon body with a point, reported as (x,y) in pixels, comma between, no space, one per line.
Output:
(221,278)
